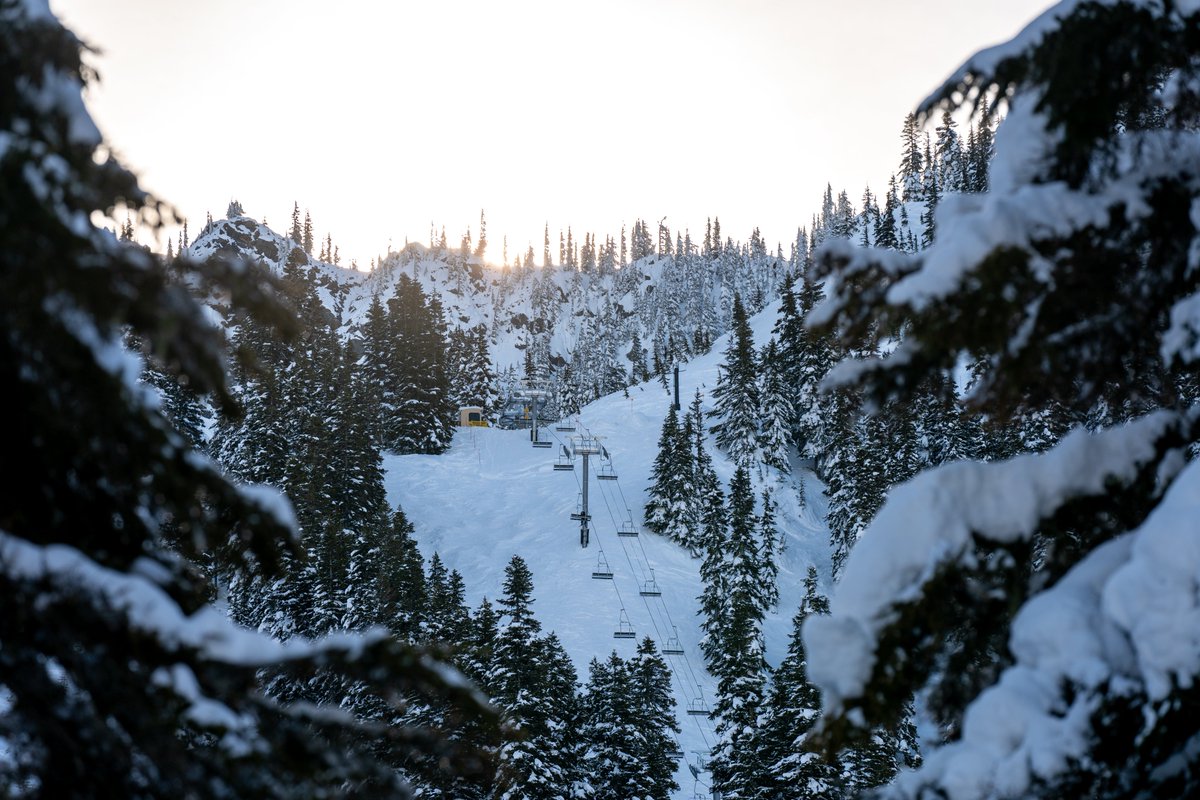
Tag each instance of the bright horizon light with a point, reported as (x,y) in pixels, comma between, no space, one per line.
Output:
(382,119)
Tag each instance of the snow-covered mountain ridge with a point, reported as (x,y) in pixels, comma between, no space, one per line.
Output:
(659,303)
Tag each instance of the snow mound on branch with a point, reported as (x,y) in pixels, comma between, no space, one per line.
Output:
(1130,611)
(929,522)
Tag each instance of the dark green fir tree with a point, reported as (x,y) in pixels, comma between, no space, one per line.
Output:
(119,675)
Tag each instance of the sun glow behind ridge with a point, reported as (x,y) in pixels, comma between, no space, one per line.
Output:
(384,118)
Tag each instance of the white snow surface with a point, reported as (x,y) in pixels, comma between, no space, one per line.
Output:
(493,495)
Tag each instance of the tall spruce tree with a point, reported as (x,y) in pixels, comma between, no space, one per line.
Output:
(714,579)
(669,497)
(184,408)
(737,398)
(471,378)
(403,598)
(869,455)
(296,232)
(416,402)
(806,357)
(653,712)
(770,548)
(533,682)
(740,665)
(777,412)
(376,369)
(705,500)
(912,165)
(949,156)
(885,230)
(615,758)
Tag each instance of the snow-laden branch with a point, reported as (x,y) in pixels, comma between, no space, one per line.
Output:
(1128,613)
(208,633)
(931,522)
(987,62)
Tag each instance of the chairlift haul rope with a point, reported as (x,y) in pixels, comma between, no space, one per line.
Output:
(695,707)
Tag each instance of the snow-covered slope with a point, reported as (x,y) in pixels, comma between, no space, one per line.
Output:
(493,495)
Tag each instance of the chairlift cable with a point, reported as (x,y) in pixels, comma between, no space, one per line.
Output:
(683,692)
(676,677)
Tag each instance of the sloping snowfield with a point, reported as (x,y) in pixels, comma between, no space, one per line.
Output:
(493,495)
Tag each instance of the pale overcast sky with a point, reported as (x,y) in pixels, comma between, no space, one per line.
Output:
(381,118)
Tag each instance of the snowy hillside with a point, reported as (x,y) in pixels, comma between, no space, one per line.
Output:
(493,495)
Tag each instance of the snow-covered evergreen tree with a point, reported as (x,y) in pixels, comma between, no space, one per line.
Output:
(472,380)
(806,357)
(1068,562)
(740,664)
(778,414)
(912,165)
(615,758)
(737,399)
(949,157)
(714,578)
(120,678)
(416,403)
(653,712)
(533,681)
(670,498)
(885,228)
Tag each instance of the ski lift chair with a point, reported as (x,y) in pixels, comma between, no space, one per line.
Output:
(603,571)
(624,628)
(673,647)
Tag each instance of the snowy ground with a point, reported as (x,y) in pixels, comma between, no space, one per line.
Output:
(493,495)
